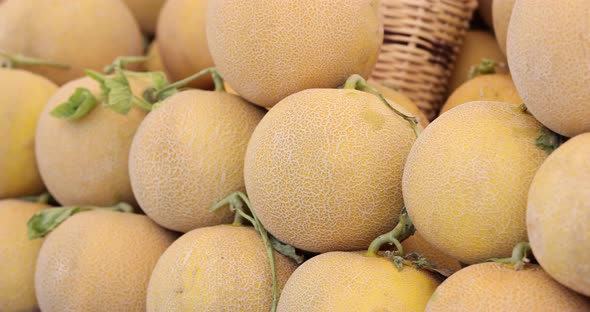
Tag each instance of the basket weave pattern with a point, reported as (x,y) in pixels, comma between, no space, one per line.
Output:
(421,41)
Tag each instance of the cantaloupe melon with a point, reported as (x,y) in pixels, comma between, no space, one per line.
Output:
(22,99)
(477,45)
(466,179)
(18,256)
(84,34)
(189,154)
(85,161)
(146,13)
(501,11)
(549,62)
(182,40)
(491,87)
(558,214)
(269,50)
(217,268)
(323,169)
(351,281)
(154,63)
(499,287)
(99,261)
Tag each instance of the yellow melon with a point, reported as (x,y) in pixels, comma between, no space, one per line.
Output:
(85,161)
(189,154)
(558,214)
(323,169)
(183,42)
(18,256)
(397,99)
(466,179)
(99,261)
(268,50)
(501,11)
(146,13)
(218,268)
(154,63)
(492,87)
(499,287)
(350,281)
(22,99)
(550,64)
(84,34)
(478,44)
(417,244)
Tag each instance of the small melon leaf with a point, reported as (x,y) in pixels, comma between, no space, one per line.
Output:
(44,221)
(77,106)
(119,96)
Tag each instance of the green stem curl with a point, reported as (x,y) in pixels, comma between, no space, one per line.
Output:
(519,256)
(357,82)
(183,82)
(16,60)
(404,229)
(121,61)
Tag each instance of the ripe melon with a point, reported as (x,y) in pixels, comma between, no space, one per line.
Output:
(558,214)
(267,50)
(18,256)
(491,87)
(323,169)
(183,42)
(189,154)
(550,64)
(217,268)
(466,179)
(22,99)
(154,63)
(477,45)
(146,13)
(99,261)
(499,287)
(351,281)
(501,11)
(84,34)
(85,161)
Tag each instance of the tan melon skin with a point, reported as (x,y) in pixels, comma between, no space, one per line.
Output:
(154,63)
(466,179)
(323,169)
(491,87)
(146,13)
(189,154)
(183,40)
(477,44)
(218,268)
(85,161)
(501,11)
(22,99)
(549,65)
(558,214)
(351,281)
(269,50)
(18,256)
(498,287)
(99,261)
(84,34)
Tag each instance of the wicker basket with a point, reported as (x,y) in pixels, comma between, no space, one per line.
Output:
(421,41)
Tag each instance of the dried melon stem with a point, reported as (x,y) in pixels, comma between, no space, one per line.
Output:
(46,220)
(357,82)
(19,60)
(519,256)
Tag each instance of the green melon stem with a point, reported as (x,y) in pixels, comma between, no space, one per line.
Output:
(46,220)
(121,61)
(404,229)
(16,60)
(43,198)
(549,140)
(485,67)
(236,203)
(183,82)
(357,82)
(519,257)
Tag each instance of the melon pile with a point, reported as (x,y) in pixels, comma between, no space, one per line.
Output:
(239,156)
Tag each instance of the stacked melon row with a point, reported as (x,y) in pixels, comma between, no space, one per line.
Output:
(281,179)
